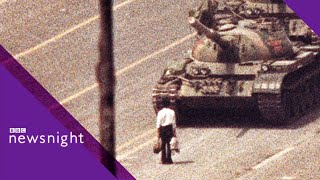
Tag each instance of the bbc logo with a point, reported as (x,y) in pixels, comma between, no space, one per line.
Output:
(18,130)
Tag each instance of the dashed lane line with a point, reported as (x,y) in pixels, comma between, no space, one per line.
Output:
(74,28)
(288,178)
(272,158)
(136,149)
(121,71)
(118,6)
(78,94)
(136,139)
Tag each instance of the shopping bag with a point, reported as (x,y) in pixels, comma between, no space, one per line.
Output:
(157,147)
(174,144)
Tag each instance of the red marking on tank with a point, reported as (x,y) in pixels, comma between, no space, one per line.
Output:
(276,45)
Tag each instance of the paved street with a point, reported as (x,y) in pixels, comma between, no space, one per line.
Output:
(56,41)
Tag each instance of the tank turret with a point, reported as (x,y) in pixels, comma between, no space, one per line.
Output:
(241,44)
(208,32)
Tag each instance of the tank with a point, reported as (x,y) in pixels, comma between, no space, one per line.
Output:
(215,15)
(246,61)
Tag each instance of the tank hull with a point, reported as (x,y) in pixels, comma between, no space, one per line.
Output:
(280,92)
(215,102)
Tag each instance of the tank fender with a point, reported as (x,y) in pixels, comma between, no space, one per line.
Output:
(174,69)
(177,67)
(269,83)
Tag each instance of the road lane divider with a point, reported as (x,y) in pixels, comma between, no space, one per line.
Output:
(129,67)
(78,94)
(136,139)
(272,158)
(118,6)
(136,149)
(74,28)
(288,178)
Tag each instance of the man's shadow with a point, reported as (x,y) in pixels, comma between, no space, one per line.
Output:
(184,162)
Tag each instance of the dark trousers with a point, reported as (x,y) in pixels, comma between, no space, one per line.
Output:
(166,134)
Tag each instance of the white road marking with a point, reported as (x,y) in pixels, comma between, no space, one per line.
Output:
(288,178)
(121,71)
(272,158)
(78,94)
(118,6)
(136,139)
(74,28)
(136,149)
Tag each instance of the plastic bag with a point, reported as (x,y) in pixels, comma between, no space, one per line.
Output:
(174,144)
(157,147)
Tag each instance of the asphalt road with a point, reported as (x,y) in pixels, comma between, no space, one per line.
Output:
(57,43)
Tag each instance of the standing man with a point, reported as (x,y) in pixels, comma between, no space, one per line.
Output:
(166,125)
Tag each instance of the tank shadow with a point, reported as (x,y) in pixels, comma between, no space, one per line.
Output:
(244,118)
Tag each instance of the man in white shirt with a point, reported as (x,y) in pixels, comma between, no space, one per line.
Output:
(166,125)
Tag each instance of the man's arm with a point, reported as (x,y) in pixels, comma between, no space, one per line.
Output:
(158,131)
(158,125)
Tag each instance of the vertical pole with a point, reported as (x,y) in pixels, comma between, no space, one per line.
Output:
(106,80)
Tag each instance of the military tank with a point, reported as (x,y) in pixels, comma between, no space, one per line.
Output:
(254,62)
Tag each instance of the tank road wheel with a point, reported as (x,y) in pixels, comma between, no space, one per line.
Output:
(316,91)
(313,92)
(286,104)
(295,103)
(285,109)
(308,96)
(302,99)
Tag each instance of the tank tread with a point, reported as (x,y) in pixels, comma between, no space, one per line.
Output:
(280,108)
(271,108)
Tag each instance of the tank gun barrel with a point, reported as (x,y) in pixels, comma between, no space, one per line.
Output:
(210,33)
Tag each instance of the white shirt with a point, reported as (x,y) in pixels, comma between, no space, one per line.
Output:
(166,116)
